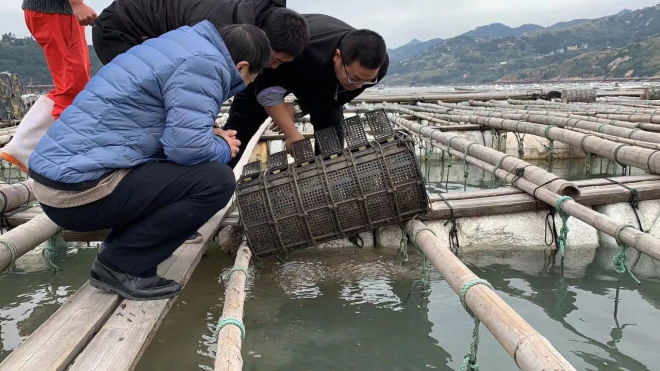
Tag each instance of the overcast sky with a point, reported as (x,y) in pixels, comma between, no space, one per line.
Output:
(399,21)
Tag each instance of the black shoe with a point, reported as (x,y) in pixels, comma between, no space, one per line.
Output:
(132,287)
(194,238)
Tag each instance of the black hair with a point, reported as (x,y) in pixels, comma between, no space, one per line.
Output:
(365,46)
(287,31)
(247,43)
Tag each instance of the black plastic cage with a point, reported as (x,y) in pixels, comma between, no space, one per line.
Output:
(337,194)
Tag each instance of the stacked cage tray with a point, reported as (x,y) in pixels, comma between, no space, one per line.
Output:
(335,194)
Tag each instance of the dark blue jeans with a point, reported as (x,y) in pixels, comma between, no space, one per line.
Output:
(153,210)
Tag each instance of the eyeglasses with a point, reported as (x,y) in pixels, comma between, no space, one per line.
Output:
(357,82)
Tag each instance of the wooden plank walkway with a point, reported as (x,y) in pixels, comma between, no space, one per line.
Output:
(130,325)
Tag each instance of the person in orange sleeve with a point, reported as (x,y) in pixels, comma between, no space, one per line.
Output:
(58,27)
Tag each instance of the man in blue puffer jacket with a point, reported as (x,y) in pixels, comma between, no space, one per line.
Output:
(137,152)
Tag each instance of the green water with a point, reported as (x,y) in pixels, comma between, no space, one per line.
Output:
(342,309)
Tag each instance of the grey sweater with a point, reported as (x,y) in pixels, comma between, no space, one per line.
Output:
(48,6)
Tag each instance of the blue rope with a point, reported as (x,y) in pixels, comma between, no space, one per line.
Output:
(563,232)
(470,362)
(231,321)
(619,260)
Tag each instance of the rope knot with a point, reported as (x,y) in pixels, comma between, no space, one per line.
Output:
(563,232)
(620,259)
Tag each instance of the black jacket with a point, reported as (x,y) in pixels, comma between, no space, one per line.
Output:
(311,77)
(144,19)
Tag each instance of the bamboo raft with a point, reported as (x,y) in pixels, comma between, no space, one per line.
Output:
(101,331)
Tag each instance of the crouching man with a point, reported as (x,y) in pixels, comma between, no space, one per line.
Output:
(137,152)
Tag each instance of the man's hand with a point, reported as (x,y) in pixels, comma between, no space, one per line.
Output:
(230,137)
(84,14)
(292,138)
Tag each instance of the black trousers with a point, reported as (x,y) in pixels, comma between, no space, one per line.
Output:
(246,115)
(108,38)
(153,210)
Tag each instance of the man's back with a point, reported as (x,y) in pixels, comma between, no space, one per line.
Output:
(145,19)
(119,119)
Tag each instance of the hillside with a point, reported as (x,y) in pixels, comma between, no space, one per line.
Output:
(412,48)
(24,56)
(499,30)
(622,45)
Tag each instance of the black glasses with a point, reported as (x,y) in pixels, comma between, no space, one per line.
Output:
(354,81)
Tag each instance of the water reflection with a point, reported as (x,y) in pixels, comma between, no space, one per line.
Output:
(32,291)
(341,309)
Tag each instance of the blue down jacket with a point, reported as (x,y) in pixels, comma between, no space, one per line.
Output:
(159,100)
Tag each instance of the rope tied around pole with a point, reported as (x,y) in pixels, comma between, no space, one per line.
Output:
(449,161)
(633,200)
(620,259)
(403,247)
(13,252)
(563,231)
(426,272)
(454,244)
(519,172)
(466,171)
(497,167)
(470,362)
(245,270)
(50,253)
(230,321)
(520,138)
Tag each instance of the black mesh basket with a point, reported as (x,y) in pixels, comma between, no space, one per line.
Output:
(337,194)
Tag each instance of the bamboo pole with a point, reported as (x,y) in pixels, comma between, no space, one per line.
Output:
(24,238)
(228,354)
(651,118)
(596,107)
(615,120)
(623,154)
(532,173)
(15,195)
(529,349)
(643,242)
(370,97)
(605,126)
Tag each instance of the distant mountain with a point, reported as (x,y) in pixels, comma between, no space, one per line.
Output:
(567,24)
(411,49)
(626,44)
(499,30)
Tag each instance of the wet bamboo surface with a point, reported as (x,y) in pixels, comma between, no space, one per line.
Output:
(529,349)
(228,354)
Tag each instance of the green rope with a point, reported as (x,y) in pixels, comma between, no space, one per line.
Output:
(470,361)
(587,164)
(426,272)
(520,138)
(619,260)
(403,247)
(563,232)
(466,169)
(50,253)
(13,252)
(230,321)
(227,276)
